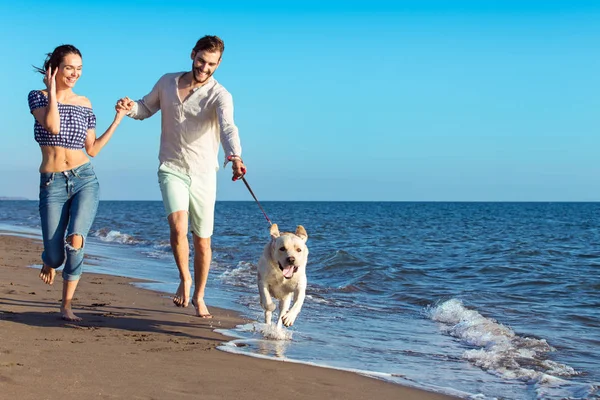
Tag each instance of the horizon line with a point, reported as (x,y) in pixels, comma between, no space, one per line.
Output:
(7,198)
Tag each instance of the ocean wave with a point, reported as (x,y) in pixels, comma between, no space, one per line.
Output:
(107,235)
(164,246)
(349,289)
(315,298)
(340,271)
(341,258)
(501,351)
(244,275)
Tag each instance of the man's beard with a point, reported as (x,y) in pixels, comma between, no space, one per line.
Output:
(196,70)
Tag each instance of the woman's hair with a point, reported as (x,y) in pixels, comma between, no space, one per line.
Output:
(55,58)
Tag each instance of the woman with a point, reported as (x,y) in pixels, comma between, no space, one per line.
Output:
(65,126)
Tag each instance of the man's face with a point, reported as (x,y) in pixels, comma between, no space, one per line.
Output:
(204,64)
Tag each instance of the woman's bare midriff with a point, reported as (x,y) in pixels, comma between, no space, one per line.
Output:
(59,159)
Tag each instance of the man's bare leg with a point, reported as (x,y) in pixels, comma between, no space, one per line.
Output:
(202,259)
(178,224)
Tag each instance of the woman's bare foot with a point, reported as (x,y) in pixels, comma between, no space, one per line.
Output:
(47,275)
(201,309)
(182,297)
(67,315)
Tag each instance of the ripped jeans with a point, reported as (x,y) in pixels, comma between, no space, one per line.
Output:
(68,205)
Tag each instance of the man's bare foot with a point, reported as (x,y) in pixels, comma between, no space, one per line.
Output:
(201,309)
(182,297)
(67,315)
(47,275)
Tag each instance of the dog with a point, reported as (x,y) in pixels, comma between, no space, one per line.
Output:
(282,273)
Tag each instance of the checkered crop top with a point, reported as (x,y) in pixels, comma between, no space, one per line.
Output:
(74,123)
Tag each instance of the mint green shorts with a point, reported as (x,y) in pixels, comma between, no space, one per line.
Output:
(194,194)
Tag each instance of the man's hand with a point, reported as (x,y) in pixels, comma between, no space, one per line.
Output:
(238,168)
(124,104)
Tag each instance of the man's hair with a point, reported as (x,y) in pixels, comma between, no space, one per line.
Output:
(210,44)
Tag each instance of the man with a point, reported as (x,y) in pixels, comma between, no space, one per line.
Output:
(197,114)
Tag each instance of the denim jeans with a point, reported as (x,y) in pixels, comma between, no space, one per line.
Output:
(68,205)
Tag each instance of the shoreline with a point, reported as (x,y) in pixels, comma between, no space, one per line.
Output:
(133,343)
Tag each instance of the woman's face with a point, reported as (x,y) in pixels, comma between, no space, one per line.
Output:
(69,71)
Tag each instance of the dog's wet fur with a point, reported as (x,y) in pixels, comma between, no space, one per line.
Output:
(282,273)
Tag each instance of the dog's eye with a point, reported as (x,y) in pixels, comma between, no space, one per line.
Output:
(298,249)
(282,248)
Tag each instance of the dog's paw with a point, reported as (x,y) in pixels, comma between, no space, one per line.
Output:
(289,318)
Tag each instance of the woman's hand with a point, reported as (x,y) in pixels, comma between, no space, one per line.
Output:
(121,112)
(122,107)
(50,80)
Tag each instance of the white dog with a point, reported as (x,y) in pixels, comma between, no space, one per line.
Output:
(282,272)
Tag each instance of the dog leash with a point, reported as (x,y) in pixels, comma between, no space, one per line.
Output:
(259,206)
(243,178)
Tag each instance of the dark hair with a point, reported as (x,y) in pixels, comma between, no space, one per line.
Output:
(55,58)
(210,44)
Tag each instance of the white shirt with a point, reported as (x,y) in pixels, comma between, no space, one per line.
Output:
(191,130)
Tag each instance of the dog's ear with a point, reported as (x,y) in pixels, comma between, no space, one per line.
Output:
(274,231)
(301,233)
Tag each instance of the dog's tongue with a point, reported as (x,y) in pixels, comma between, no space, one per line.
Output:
(288,271)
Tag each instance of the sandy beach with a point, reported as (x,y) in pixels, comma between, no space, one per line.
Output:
(134,344)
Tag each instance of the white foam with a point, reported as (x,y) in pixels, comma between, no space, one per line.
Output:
(318,300)
(269,332)
(244,274)
(111,236)
(157,254)
(501,351)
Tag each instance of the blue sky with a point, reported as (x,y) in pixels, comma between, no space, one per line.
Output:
(415,101)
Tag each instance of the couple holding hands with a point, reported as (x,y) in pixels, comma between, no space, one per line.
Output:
(197,116)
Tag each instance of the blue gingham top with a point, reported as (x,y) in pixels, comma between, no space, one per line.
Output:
(74,123)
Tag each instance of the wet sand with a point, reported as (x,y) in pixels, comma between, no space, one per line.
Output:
(135,344)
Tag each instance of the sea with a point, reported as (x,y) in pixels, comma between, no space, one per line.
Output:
(477,300)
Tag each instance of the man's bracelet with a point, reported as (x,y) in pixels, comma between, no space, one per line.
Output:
(233,157)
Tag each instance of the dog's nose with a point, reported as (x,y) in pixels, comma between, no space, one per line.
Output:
(291,260)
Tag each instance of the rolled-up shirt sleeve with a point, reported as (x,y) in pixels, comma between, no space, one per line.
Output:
(230,139)
(148,105)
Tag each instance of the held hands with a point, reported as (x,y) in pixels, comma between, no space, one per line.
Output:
(122,107)
(125,103)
